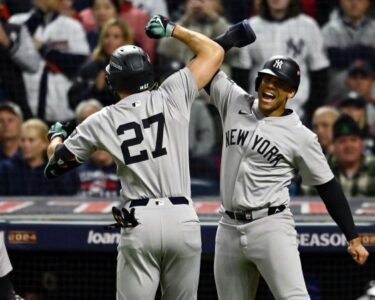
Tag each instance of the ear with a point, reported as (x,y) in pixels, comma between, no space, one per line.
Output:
(291,94)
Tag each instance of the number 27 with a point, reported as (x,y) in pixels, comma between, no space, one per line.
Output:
(136,127)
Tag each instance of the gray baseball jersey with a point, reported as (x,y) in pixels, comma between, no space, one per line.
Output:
(261,155)
(147,135)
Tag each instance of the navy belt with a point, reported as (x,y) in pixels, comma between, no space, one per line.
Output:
(251,215)
(144,201)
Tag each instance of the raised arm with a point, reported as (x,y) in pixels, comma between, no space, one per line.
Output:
(208,54)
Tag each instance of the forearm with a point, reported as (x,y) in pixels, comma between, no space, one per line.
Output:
(52,146)
(338,207)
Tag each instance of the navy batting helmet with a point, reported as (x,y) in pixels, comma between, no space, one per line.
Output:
(130,70)
(282,67)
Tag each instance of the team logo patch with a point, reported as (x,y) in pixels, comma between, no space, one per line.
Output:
(278,64)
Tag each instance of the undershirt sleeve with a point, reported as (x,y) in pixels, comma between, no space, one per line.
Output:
(338,207)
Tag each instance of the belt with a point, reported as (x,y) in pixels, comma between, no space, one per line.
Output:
(251,215)
(144,201)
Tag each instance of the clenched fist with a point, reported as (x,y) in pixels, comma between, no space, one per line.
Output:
(159,26)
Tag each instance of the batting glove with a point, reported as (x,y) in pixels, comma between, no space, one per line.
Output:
(159,26)
(62,130)
(123,218)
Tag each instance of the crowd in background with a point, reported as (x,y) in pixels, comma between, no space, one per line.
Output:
(53,54)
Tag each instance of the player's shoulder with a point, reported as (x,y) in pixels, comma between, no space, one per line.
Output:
(306,135)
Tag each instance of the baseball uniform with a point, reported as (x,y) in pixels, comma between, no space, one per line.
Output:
(260,156)
(141,133)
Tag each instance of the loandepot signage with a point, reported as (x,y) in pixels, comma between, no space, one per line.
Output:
(324,239)
(103,238)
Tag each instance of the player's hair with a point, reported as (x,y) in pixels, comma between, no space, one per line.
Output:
(85,104)
(39,125)
(99,53)
(294,9)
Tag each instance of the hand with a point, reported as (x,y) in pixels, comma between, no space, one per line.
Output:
(357,251)
(62,130)
(159,26)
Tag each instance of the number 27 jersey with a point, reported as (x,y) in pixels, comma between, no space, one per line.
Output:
(147,135)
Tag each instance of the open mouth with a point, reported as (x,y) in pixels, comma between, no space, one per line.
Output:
(268,96)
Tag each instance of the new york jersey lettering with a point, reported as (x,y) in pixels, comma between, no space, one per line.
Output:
(267,150)
(262,146)
(234,138)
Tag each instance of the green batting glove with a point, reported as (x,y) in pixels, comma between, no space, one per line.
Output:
(159,26)
(59,129)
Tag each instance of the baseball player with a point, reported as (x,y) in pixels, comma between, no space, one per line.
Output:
(146,132)
(6,286)
(264,145)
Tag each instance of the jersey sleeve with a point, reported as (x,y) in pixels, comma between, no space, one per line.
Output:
(312,164)
(317,58)
(222,91)
(84,139)
(181,89)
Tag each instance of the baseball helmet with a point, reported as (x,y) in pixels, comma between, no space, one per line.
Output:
(282,67)
(130,70)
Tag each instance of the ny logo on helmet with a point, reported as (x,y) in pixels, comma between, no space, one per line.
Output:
(278,64)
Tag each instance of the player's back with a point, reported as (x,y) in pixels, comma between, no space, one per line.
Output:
(147,135)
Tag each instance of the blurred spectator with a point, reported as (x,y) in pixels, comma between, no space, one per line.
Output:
(23,175)
(205,16)
(98,176)
(201,141)
(354,170)
(360,79)
(201,130)
(322,123)
(90,82)
(347,37)
(67,9)
(17,54)
(63,48)
(94,17)
(152,6)
(282,29)
(10,130)
(354,105)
